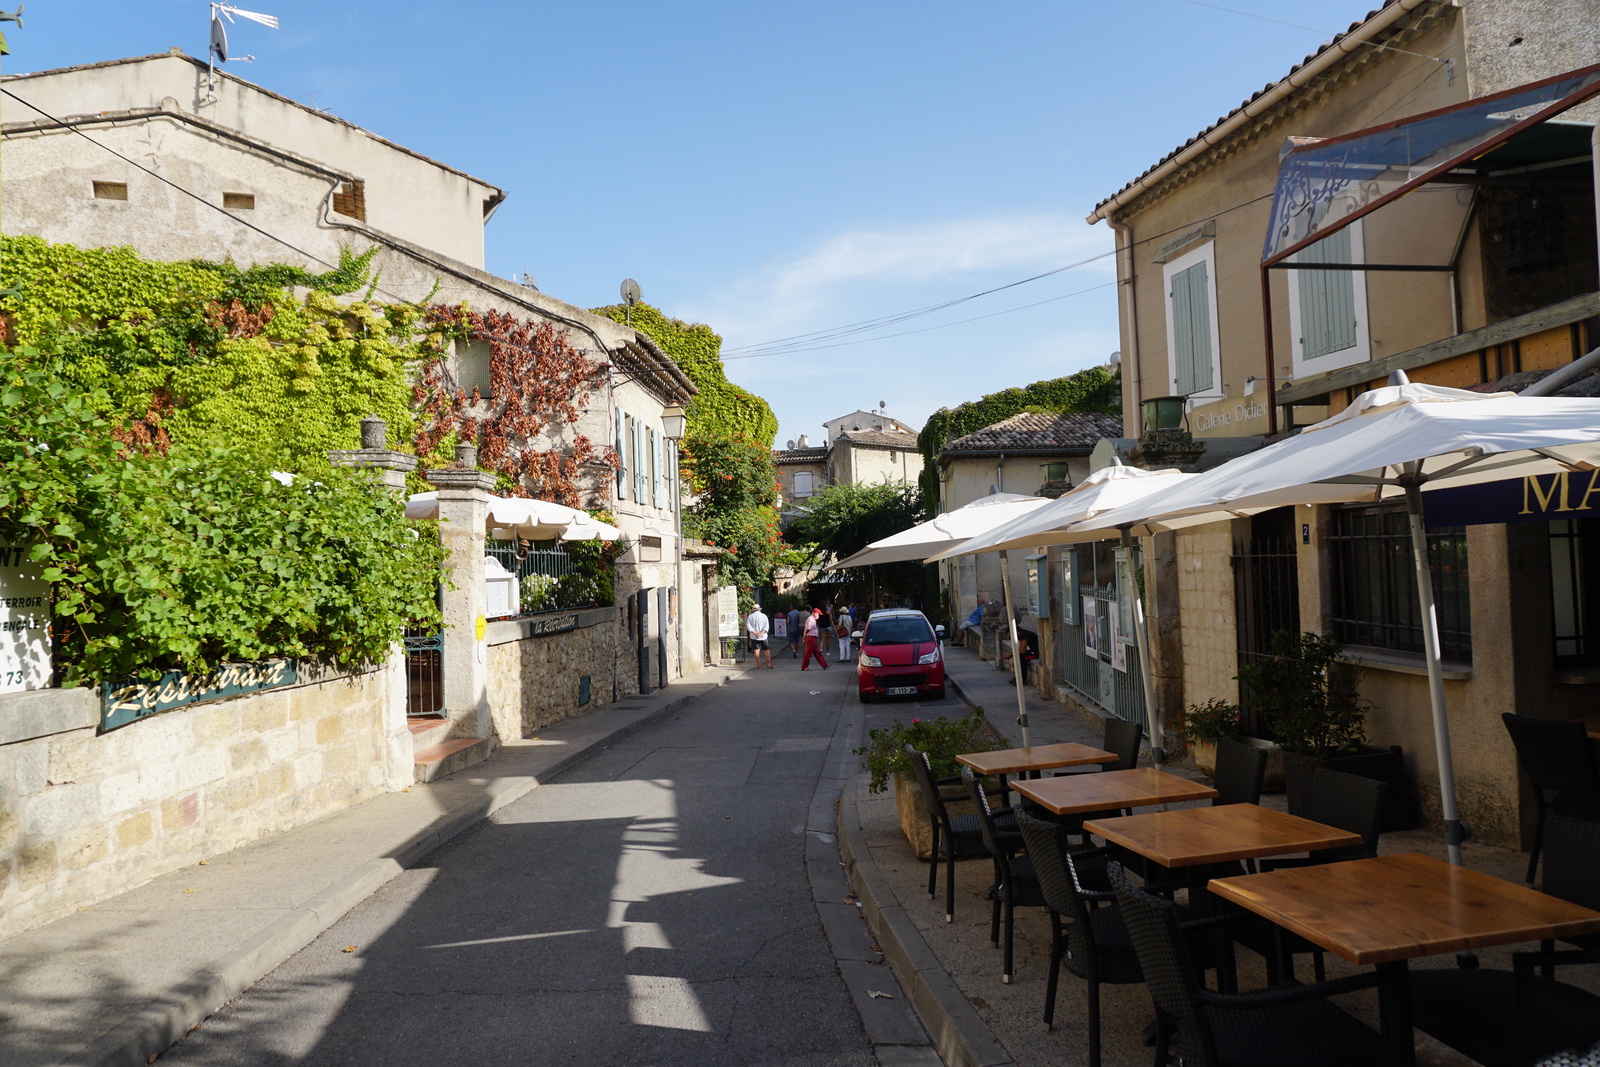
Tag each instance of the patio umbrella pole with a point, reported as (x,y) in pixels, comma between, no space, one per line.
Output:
(1016,657)
(1455,831)
(1141,634)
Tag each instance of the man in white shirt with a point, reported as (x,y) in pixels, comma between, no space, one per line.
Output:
(757,624)
(844,624)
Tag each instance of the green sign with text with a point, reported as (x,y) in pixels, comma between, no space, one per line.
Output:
(129,699)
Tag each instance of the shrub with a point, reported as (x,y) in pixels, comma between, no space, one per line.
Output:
(943,739)
(1215,720)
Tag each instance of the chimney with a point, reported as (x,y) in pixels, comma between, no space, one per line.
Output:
(805,442)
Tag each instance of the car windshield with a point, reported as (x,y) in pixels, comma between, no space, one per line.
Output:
(901,631)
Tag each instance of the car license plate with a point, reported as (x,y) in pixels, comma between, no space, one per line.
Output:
(902,690)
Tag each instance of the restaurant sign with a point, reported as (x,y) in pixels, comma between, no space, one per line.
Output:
(129,699)
(1534,498)
(24,622)
(552,624)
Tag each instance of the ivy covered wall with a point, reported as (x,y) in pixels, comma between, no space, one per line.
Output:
(722,409)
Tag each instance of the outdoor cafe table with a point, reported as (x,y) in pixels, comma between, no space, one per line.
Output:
(1390,909)
(1035,759)
(1111,789)
(1192,837)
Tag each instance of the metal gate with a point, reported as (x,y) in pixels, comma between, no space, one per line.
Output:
(1266,596)
(1110,675)
(424,673)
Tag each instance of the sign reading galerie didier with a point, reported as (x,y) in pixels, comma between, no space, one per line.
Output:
(24,622)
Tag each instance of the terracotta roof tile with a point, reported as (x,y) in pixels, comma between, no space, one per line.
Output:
(1029,431)
(878,439)
(800,455)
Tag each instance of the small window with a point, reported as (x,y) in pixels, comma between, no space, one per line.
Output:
(350,199)
(111,190)
(239,201)
(474,368)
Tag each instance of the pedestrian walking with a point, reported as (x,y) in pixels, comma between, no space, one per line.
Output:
(758,627)
(794,630)
(811,642)
(824,629)
(844,626)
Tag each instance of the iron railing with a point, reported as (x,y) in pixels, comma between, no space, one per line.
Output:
(1120,692)
(1375,588)
(1266,602)
(548,576)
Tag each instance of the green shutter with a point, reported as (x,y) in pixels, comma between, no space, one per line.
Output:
(640,475)
(657,466)
(1191,330)
(1327,298)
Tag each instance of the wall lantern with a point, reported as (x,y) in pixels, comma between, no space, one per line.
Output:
(672,420)
(1164,413)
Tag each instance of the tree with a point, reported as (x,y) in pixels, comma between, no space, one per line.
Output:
(735,484)
(841,520)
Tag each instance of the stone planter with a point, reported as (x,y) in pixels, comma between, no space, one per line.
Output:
(914,821)
(1272,780)
(1205,756)
(1386,765)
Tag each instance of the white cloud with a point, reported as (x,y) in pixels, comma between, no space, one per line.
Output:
(894,268)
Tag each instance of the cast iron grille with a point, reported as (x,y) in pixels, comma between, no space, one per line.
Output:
(1266,598)
(1375,588)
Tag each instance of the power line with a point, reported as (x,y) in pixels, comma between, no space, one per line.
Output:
(1311,29)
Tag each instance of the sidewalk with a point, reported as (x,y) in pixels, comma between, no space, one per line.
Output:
(952,972)
(120,981)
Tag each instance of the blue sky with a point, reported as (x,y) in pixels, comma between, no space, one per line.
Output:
(776,169)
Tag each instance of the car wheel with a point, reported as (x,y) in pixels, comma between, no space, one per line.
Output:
(937,694)
(866,698)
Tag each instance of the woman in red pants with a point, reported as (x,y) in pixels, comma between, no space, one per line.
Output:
(811,642)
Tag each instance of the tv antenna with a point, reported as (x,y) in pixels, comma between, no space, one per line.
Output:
(218,52)
(630,299)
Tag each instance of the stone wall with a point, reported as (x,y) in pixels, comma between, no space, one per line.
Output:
(1205,605)
(85,816)
(534,679)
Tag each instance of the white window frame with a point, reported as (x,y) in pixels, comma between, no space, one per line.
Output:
(1206,253)
(1361,352)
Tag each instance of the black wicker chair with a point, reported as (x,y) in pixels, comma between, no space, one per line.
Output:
(1240,771)
(1016,885)
(1119,737)
(1293,1026)
(1561,764)
(1572,868)
(1085,927)
(954,837)
(1349,802)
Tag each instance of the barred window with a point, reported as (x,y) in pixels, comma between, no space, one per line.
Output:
(1375,587)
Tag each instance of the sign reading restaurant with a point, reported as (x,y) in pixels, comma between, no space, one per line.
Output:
(129,700)
(24,622)
(1534,498)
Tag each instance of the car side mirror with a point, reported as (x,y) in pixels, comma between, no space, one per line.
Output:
(939,630)
(856,634)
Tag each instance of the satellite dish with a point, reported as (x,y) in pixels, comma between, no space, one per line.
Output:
(630,292)
(791,446)
(882,405)
(219,40)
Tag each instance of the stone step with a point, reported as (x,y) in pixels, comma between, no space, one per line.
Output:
(426,733)
(451,756)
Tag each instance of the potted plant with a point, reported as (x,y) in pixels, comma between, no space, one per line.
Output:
(1306,694)
(943,739)
(1203,725)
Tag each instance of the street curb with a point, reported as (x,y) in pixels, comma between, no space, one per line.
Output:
(153,1028)
(959,1035)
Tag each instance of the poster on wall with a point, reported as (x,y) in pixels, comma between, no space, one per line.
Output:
(1119,651)
(727,611)
(1091,627)
(780,626)
(24,622)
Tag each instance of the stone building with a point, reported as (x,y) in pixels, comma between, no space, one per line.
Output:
(1477,272)
(210,166)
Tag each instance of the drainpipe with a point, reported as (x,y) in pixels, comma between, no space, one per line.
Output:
(1272,371)
(1128,311)
(1000,474)
(1594,154)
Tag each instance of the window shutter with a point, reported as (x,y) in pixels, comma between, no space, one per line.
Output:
(1327,298)
(1191,329)
(640,475)
(622,456)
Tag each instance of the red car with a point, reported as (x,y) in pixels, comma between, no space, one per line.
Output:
(900,656)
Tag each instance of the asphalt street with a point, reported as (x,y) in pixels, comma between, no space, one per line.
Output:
(650,906)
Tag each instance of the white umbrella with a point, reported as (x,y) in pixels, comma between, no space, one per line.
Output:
(1389,443)
(510,518)
(1105,489)
(944,531)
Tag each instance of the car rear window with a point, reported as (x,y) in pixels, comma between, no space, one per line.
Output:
(902,631)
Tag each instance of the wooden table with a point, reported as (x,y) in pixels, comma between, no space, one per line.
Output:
(1036,758)
(1391,909)
(1111,789)
(1190,837)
